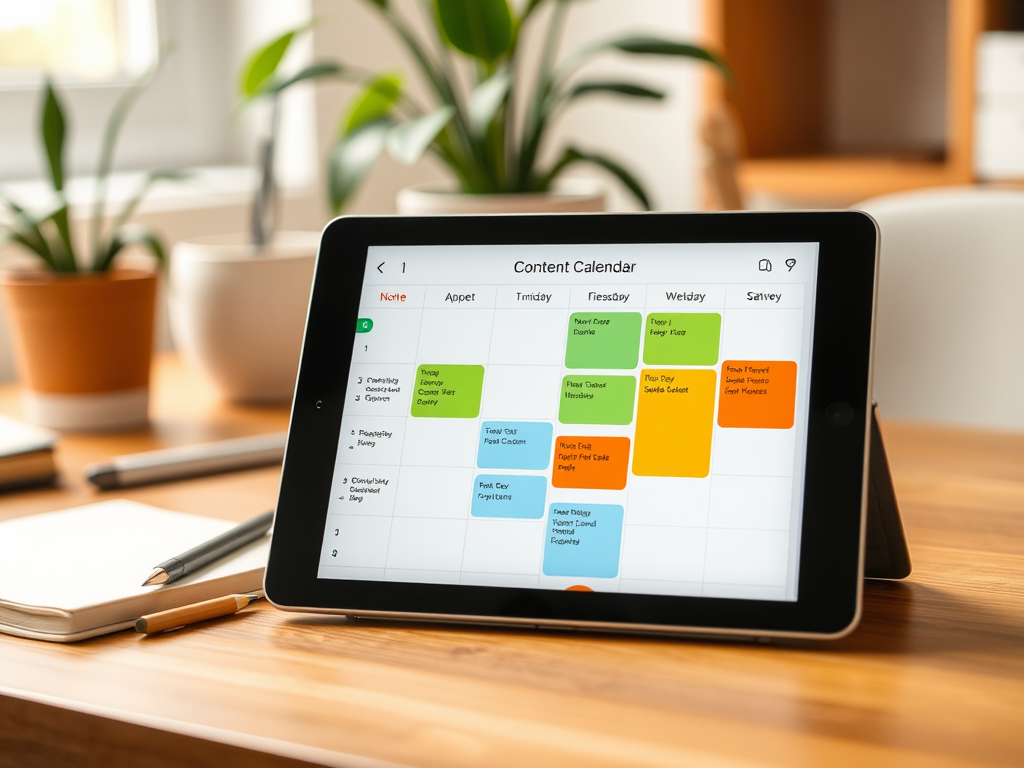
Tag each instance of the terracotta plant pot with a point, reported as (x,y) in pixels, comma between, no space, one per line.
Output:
(83,345)
(237,316)
(569,196)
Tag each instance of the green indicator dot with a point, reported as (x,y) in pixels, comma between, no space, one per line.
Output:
(364,325)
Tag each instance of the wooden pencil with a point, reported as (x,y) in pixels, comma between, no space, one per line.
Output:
(190,614)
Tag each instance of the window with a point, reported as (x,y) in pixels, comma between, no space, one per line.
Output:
(95,48)
(83,41)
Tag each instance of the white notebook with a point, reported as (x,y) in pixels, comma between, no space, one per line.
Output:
(75,574)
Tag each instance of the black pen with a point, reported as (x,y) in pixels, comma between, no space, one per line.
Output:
(214,549)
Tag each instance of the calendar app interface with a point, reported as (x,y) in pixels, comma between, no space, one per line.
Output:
(627,418)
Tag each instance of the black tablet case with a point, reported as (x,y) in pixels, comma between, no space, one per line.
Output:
(886,555)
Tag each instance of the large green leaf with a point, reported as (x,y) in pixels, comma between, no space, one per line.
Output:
(408,141)
(52,127)
(572,155)
(264,63)
(486,99)
(481,28)
(619,89)
(375,102)
(351,159)
(648,45)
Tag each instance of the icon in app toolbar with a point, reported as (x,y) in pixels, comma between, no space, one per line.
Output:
(764,265)
(790,263)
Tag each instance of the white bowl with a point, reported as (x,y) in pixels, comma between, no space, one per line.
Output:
(238,316)
(567,196)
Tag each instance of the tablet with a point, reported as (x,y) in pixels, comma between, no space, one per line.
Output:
(656,422)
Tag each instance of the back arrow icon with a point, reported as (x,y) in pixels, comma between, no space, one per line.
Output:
(381,265)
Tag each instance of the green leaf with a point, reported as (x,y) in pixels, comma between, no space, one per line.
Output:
(15,236)
(406,142)
(374,103)
(351,159)
(52,127)
(647,45)
(26,233)
(481,28)
(573,155)
(486,99)
(65,258)
(314,71)
(619,89)
(131,236)
(537,116)
(264,63)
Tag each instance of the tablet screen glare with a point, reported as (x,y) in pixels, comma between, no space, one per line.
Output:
(627,418)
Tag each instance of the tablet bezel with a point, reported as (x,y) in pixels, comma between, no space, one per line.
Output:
(835,489)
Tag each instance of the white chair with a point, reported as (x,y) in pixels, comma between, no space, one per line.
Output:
(949,339)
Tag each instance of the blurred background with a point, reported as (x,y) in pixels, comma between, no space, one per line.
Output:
(834,102)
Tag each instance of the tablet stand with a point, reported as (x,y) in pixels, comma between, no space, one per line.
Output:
(886,555)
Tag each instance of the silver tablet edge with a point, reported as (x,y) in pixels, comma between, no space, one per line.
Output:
(657,629)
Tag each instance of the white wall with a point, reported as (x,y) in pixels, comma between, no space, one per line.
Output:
(659,142)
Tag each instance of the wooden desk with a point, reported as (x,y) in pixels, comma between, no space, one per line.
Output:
(933,677)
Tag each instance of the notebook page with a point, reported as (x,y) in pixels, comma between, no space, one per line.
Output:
(100,553)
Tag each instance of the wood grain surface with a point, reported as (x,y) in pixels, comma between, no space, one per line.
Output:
(934,676)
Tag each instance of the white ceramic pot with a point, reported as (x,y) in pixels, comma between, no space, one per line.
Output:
(238,317)
(569,196)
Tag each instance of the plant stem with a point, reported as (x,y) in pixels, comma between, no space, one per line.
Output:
(264,212)
(442,89)
(508,117)
(534,128)
(113,127)
(459,134)
(447,70)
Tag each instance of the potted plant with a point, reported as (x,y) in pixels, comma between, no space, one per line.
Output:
(492,148)
(82,326)
(238,301)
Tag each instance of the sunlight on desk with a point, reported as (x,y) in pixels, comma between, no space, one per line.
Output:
(184,411)
(934,676)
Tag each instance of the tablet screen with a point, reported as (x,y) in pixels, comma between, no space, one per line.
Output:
(627,418)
